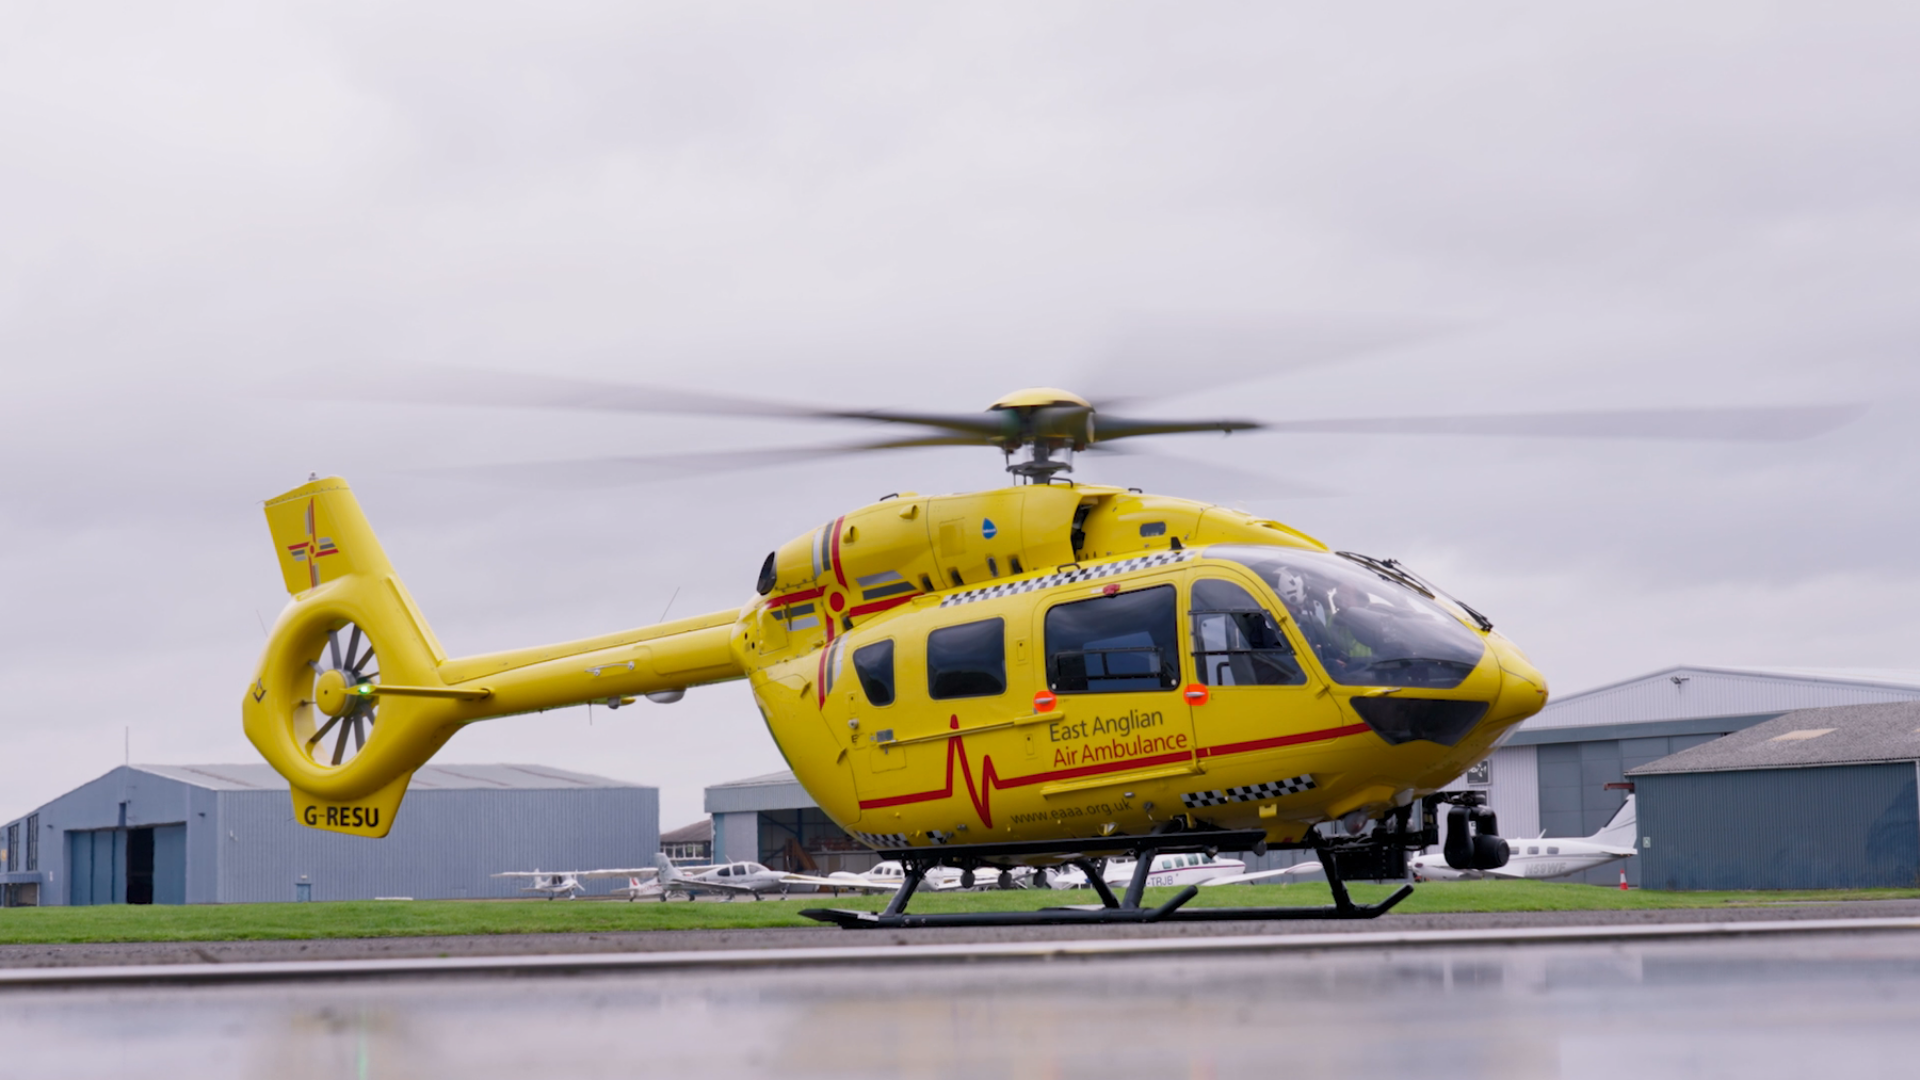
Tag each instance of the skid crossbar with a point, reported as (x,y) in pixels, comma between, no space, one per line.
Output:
(1110,910)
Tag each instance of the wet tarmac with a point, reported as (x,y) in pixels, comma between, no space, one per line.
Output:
(819,936)
(1789,1004)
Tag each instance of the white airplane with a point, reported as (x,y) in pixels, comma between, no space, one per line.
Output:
(555,883)
(728,880)
(1546,856)
(888,877)
(883,877)
(1195,868)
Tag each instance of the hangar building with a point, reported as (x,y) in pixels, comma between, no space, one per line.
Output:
(772,820)
(1814,799)
(194,834)
(1553,773)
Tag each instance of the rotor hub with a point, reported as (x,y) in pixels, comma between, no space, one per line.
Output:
(333,694)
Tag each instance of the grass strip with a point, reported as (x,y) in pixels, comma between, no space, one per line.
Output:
(426,918)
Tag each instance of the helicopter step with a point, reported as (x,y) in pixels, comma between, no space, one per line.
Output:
(1337,858)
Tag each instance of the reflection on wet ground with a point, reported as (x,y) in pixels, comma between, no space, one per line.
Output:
(1763,1007)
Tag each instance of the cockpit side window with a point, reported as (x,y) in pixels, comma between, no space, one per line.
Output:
(1129,641)
(969,660)
(874,664)
(1236,641)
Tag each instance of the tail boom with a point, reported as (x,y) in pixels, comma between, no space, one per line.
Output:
(314,686)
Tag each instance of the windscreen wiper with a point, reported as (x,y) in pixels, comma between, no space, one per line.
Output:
(1393,570)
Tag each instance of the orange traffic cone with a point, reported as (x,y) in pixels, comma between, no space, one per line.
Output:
(1623,881)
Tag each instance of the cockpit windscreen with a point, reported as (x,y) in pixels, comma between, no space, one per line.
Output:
(1366,629)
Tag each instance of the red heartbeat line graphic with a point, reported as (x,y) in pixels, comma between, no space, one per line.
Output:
(981,794)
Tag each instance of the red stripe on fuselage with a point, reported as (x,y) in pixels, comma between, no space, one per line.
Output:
(839,572)
(981,795)
(1283,740)
(794,597)
(878,606)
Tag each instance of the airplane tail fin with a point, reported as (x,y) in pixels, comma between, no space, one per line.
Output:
(1623,830)
(668,871)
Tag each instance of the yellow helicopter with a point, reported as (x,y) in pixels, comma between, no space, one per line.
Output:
(1042,674)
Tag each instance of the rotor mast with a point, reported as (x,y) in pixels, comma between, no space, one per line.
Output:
(1043,428)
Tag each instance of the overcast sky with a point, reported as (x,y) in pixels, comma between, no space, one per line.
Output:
(1592,206)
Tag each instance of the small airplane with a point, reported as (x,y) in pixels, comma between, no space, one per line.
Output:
(1545,856)
(882,877)
(1193,868)
(558,883)
(724,879)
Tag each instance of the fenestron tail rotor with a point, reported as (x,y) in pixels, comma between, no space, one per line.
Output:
(335,722)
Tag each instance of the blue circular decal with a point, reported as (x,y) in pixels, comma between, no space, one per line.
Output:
(987,528)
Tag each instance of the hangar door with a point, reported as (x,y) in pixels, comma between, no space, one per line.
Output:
(127,866)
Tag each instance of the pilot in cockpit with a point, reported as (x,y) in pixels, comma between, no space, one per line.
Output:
(1355,627)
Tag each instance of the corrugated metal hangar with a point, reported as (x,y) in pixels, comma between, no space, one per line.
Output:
(1814,799)
(772,820)
(172,834)
(1552,774)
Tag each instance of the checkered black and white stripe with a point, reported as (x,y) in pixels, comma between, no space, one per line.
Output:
(1068,577)
(939,837)
(882,840)
(1293,785)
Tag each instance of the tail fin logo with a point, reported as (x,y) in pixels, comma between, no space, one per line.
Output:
(311,549)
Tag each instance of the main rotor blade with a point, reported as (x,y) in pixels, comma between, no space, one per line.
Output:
(1108,428)
(1204,480)
(1162,357)
(646,469)
(1764,424)
(427,384)
(434,385)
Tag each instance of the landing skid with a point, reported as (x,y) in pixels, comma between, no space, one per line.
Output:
(1111,910)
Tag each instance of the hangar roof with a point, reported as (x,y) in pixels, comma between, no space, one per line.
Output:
(1840,735)
(770,791)
(1691,691)
(700,832)
(257,776)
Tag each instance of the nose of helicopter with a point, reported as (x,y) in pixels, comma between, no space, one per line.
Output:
(1523,690)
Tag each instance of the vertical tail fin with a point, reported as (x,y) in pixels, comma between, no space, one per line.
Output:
(668,871)
(315,710)
(1623,830)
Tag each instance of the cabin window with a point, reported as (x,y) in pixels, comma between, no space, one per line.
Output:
(1553,850)
(874,664)
(969,660)
(1114,644)
(1236,641)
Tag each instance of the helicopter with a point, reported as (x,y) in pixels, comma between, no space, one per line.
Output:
(1043,674)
